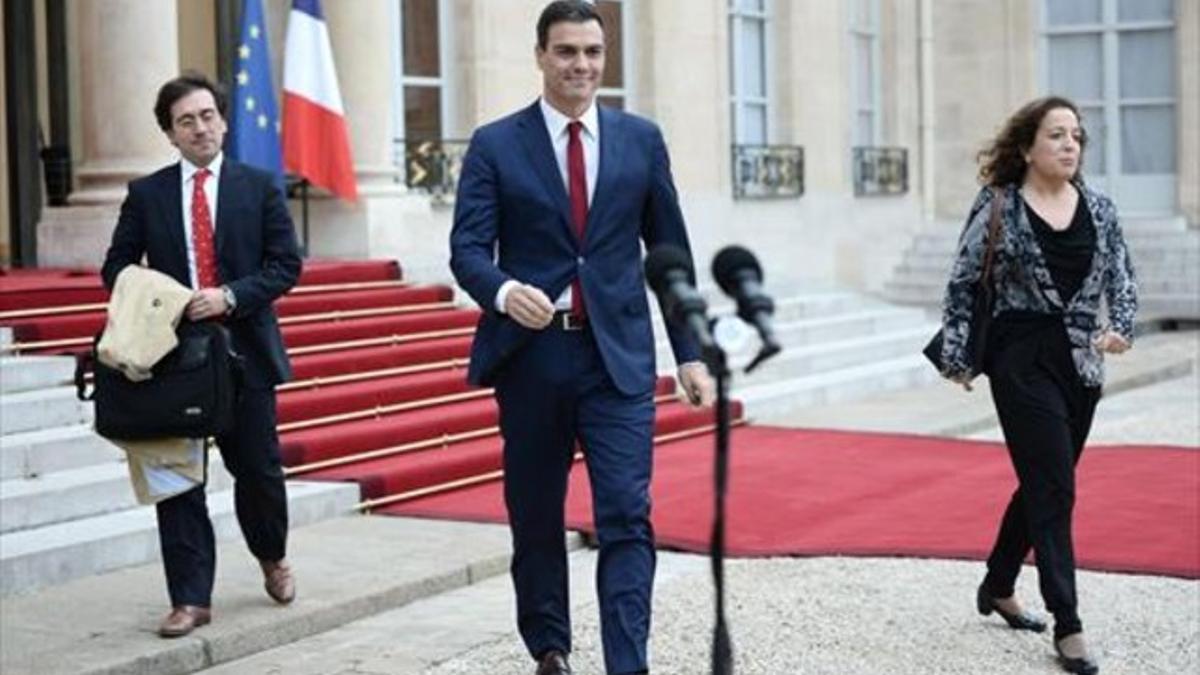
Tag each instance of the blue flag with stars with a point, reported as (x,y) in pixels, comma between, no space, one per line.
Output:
(254,119)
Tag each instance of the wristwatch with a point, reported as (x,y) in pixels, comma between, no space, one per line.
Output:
(230,299)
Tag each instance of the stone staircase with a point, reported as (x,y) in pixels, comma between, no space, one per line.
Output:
(1165,252)
(837,345)
(66,507)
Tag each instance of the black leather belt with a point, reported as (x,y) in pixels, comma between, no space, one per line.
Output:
(566,321)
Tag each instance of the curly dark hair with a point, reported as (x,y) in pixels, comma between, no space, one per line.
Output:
(1002,162)
(181,86)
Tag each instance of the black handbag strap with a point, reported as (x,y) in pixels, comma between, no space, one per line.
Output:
(83,363)
(995,225)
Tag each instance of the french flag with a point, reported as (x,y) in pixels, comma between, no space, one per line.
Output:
(316,145)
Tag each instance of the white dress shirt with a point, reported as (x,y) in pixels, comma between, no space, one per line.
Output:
(187,174)
(589,136)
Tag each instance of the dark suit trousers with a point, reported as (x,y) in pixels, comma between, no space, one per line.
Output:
(556,391)
(1046,413)
(251,454)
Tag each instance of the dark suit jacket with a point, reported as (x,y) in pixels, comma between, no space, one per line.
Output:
(257,255)
(512,221)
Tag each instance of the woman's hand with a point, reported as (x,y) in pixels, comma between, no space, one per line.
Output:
(1110,342)
(964,380)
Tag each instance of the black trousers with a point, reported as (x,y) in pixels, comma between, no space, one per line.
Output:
(251,454)
(1046,413)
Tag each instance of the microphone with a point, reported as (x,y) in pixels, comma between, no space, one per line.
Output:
(739,275)
(669,274)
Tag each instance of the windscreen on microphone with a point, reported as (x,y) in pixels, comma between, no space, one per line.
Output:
(731,263)
(661,260)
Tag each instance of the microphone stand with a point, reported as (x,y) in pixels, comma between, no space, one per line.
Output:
(722,646)
(718,365)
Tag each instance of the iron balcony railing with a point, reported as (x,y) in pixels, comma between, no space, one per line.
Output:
(880,171)
(768,171)
(432,165)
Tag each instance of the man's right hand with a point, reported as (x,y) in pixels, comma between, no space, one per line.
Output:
(529,306)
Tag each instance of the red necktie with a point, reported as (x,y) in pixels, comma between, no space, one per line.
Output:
(202,233)
(577,180)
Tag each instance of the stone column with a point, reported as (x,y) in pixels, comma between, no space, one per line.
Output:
(127,49)
(5,244)
(362,34)
(698,135)
(387,221)
(124,50)
(1187,40)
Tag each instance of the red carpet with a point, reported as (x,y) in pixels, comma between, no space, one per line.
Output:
(327,364)
(792,492)
(811,492)
(380,395)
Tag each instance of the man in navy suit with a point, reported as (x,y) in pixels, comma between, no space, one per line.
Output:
(221,228)
(554,202)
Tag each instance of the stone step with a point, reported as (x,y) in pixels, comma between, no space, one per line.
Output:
(42,409)
(922,284)
(347,568)
(1188,285)
(44,556)
(1177,306)
(923,295)
(1154,224)
(27,373)
(947,242)
(776,399)
(833,335)
(835,327)
(824,357)
(64,496)
(945,249)
(932,287)
(791,307)
(1133,225)
(34,453)
(1183,273)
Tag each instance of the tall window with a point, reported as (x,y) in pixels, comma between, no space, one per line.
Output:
(614,90)
(1117,60)
(864,37)
(748,59)
(422,80)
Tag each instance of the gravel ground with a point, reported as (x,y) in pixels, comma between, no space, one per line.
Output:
(846,616)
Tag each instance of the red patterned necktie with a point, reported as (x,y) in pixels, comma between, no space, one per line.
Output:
(577,180)
(202,233)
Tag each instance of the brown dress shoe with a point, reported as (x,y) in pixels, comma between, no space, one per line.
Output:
(278,580)
(553,662)
(183,620)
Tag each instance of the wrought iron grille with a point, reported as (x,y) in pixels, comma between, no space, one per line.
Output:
(880,171)
(768,171)
(433,165)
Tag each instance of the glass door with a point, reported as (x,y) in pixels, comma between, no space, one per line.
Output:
(1117,60)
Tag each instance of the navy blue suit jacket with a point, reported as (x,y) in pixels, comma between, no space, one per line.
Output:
(257,255)
(512,221)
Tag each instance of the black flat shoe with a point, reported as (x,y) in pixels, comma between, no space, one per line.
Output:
(1081,665)
(986,604)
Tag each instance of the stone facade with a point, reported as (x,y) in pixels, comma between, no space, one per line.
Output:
(949,72)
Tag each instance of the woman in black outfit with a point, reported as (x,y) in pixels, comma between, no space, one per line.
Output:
(1060,251)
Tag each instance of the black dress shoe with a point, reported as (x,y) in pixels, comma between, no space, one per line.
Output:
(553,662)
(986,604)
(1081,665)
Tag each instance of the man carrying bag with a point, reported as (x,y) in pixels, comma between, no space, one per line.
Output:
(223,229)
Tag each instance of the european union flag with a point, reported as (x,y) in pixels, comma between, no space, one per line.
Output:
(254,122)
